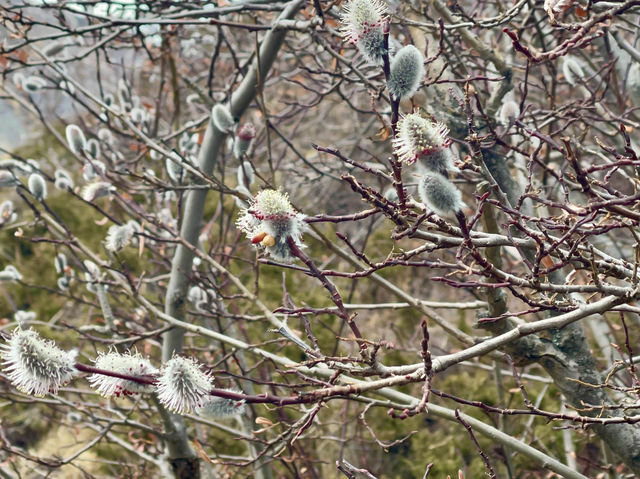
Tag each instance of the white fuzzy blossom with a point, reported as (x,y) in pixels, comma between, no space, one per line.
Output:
(63,180)
(54,48)
(36,366)
(37,186)
(10,273)
(174,170)
(407,71)
(124,97)
(75,139)
(7,178)
(60,263)
(270,221)
(138,115)
(64,282)
(130,364)
(119,236)
(104,134)
(218,407)
(20,167)
(92,170)
(96,190)
(182,385)
(33,83)
(363,25)
(196,295)
(92,275)
(7,213)
(509,111)
(423,139)
(93,148)
(439,194)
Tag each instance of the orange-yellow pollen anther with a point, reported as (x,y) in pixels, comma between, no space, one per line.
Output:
(258,238)
(268,240)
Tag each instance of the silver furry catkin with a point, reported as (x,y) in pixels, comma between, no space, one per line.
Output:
(36,366)
(407,71)
(439,194)
(363,23)
(219,407)
(182,385)
(37,186)
(76,139)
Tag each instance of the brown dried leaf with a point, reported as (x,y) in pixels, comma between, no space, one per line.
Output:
(203,455)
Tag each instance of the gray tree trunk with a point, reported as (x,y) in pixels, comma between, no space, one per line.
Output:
(182,457)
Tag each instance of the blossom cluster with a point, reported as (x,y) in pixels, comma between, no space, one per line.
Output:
(363,25)
(270,221)
(37,367)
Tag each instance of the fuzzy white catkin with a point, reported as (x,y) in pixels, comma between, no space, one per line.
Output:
(33,83)
(221,117)
(10,273)
(63,180)
(131,364)
(196,294)
(174,170)
(31,166)
(104,134)
(439,194)
(63,282)
(75,139)
(93,148)
(182,386)
(363,26)
(96,190)
(423,139)
(36,366)
(108,99)
(407,71)
(138,115)
(271,221)
(37,186)
(92,170)
(508,113)
(119,236)
(7,178)
(218,407)
(60,263)
(124,97)
(240,203)
(7,212)
(20,167)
